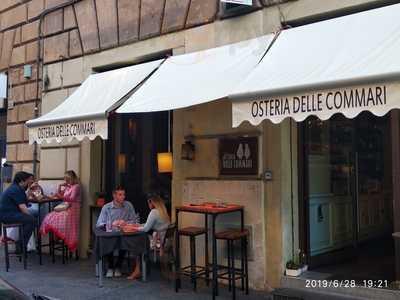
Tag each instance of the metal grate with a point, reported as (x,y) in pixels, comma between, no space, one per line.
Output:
(285,294)
(283,297)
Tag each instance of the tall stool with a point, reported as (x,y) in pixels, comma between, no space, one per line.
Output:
(6,240)
(193,271)
(59,245)
(232,274)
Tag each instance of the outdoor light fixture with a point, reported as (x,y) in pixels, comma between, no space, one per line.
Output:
(164,159)
(187,151)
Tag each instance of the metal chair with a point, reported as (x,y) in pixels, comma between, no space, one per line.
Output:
(6,241)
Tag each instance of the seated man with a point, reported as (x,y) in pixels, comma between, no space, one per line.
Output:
(117,213)
(14,204)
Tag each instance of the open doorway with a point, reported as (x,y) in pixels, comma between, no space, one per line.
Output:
(131,158)
(348,197)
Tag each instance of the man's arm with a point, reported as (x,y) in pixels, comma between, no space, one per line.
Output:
(23,209)
(102,220)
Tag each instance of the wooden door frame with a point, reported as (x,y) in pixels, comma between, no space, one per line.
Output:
(304,241)
(395,132)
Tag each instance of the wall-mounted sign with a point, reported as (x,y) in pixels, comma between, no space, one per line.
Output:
(238,156)
(243,2)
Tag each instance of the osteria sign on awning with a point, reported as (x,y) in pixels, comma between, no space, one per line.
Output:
(350,101)
(84,114)
(344,65)
(79,130)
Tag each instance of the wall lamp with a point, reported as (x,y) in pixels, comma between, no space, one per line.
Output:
(188,150)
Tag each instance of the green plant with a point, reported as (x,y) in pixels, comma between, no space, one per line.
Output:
(291,265)
(100,195)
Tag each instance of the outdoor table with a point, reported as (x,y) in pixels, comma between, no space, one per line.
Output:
(207,209)
(49,201)
(136,243)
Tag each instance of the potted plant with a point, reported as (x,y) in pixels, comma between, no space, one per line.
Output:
(100,199)
(293,269)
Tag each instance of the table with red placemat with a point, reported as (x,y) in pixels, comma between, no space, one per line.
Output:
(134,241)
(213,210)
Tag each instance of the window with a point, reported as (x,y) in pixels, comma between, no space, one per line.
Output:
(233,9)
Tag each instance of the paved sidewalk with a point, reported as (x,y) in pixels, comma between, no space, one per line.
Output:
(76,281)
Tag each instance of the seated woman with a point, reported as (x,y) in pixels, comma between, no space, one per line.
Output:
(64,223)
(157,223)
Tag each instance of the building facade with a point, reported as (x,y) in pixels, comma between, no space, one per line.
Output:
(49,47)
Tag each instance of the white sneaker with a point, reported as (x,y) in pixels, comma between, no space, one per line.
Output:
(117,273)
(110,273)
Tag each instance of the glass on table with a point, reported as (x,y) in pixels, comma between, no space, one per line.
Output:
(109,227)
(219,203)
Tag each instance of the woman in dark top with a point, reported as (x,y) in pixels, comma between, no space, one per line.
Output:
(14,204)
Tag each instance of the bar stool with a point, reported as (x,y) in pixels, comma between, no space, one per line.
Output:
(232,274)
(193,271)
(59,245)
(6,240)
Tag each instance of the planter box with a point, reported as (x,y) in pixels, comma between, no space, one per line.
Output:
(293,273)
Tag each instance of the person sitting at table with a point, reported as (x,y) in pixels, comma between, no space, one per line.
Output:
(34,194)
(14,205)
(116,214)
(156,225)
(63,221)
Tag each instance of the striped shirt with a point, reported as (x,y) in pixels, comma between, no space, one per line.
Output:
(110,213)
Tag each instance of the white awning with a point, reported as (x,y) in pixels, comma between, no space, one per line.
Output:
(85,112)
(198,77)
(345,65)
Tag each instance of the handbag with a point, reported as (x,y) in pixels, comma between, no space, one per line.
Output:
(61,207)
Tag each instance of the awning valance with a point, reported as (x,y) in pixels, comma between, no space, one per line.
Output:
(84,113)
(344,65)
(199,77)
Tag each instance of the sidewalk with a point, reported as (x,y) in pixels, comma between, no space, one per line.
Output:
(76,281)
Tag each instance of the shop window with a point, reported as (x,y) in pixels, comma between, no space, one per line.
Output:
(233,9)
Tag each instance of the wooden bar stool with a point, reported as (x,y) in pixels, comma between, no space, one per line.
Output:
(6,241)
(232,274)
(193,270)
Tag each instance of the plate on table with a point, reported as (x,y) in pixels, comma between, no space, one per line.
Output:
(130,228)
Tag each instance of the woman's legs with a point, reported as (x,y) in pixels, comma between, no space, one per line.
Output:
(136,271)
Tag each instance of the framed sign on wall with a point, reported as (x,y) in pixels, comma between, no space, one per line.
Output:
(238,156)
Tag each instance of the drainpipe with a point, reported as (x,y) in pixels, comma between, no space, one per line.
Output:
(38,59)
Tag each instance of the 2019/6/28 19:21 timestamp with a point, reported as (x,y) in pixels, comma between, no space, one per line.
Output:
(378,284)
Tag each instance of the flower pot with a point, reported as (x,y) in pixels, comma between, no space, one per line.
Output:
(100,202)
(293,273)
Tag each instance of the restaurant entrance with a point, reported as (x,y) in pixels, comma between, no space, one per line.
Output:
(131,158)
(348,196)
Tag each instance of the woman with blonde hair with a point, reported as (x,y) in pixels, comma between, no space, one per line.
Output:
(157,224)
(63,221)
